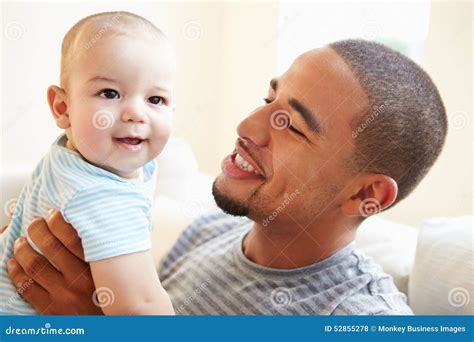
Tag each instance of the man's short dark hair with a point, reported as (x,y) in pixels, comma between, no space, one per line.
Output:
(403,132)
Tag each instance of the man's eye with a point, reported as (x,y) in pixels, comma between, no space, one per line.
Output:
(109,94)
(296,131)
(156,100)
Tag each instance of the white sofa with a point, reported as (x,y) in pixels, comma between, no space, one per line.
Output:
(431,264)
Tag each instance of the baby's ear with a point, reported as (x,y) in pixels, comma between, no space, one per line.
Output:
(58,106)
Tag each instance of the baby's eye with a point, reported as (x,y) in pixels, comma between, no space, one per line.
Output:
(156,100)
(109,94)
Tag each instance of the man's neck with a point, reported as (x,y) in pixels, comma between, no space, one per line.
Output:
(286,249)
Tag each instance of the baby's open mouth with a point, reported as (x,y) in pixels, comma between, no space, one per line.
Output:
(129,140)
(133,144)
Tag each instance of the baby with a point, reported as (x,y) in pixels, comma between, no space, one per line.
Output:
(115,104)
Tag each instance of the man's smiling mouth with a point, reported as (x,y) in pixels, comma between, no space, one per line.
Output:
(241,164)
(244,164)
(234,166)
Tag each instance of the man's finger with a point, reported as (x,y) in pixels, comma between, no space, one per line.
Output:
(36,266)
(27,288)
(3,229)
(53,249)
(65,233)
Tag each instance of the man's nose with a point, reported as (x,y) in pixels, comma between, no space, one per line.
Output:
(256,127)
(133,111)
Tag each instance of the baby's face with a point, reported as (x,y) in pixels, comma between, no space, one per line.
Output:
(120,102)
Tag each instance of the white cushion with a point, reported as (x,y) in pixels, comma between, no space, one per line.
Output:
(178,171)
(392,245)
(182,194)
(442,279)
(170,218)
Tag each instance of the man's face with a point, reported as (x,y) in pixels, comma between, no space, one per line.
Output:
(296,144)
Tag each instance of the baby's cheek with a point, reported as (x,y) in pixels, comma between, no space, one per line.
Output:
(161,133)
(91,141)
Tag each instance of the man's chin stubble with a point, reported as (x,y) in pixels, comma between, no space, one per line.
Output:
(229,205)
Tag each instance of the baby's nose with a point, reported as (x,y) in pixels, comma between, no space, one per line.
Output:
(133,113)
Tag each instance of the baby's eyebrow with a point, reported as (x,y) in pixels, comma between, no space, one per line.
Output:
(102,78)
(111,80)
(162,89)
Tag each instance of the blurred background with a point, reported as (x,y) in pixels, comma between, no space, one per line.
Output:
(227,53)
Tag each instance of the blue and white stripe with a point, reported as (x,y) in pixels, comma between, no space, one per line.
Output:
(111,215)
(206,273)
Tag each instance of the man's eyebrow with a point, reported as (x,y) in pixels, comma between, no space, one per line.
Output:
(274,84)
(308,117)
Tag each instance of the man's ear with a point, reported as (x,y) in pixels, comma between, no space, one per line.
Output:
(370,194)
(58,106)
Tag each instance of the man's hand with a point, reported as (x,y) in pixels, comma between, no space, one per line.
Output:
(3,229)
(60,283)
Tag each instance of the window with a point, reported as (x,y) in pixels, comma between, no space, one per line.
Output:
(305,26)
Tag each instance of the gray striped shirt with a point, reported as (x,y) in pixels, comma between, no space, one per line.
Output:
(206,273)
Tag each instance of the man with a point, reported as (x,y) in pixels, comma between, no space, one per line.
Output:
(349,130)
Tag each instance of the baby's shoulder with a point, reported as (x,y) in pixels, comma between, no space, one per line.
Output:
(71,173)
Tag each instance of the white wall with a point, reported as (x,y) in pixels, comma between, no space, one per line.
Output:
(447,189)
(231,77)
